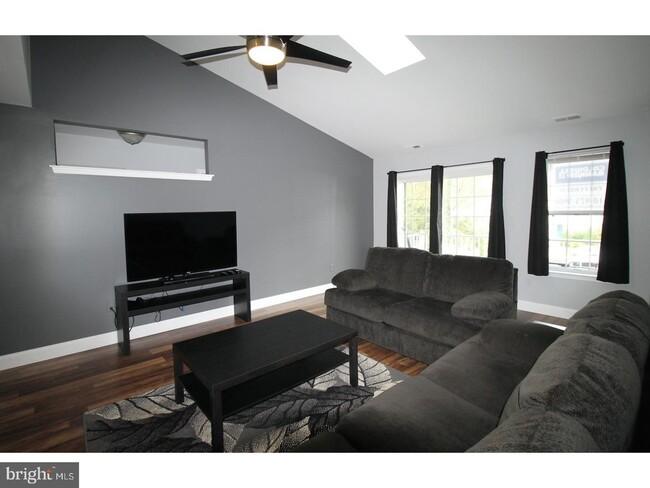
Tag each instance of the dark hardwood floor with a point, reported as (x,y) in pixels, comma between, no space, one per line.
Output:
(42,404)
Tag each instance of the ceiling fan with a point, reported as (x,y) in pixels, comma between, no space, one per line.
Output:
(270,51)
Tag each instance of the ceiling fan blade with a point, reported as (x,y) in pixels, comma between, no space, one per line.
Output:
(271,75)
(285,39)
(211,52)
(301,51)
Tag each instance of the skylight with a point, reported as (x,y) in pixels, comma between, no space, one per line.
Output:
(386,52)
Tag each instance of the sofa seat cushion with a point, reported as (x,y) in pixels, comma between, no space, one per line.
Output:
(431,319)
(416,416)
(484,305)
(474,374)
(537,431)
(486,368)
(590,379)
(369,304)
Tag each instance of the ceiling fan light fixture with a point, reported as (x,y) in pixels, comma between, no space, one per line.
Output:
(266,50)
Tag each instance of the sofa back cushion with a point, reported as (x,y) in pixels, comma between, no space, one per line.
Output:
(398,269)
(634,314)
(450,278)
(616,331)
(589,379)
(625,321)
(624,295)
(537,430)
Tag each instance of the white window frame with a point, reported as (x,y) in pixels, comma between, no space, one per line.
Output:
(580,156)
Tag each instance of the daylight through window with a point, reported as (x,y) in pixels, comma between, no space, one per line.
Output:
(577,182)
(466,199)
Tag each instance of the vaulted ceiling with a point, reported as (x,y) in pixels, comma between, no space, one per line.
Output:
(468,87)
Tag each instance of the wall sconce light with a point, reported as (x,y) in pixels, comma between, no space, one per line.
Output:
(131,137)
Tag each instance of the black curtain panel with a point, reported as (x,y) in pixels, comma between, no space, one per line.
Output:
(435,214)
(497,238)
(614,261)
(391,237)
(538,239)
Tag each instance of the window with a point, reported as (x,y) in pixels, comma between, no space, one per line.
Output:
(576,195)
(466,198)
(413,204)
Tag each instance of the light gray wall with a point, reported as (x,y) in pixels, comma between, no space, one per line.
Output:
(519,151)
(303,199)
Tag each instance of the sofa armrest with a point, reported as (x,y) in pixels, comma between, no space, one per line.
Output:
(354,280)
(484,305)
(518,340)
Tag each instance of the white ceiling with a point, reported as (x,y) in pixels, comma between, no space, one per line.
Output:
(467,88)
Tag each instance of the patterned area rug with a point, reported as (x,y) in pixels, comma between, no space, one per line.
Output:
(154,422)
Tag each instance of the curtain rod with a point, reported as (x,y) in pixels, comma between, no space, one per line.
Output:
(580,149)
(449,166)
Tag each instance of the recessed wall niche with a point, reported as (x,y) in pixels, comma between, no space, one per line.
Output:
(102,151)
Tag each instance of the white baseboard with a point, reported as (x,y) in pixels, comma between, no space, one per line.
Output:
(79,345)
(542,308)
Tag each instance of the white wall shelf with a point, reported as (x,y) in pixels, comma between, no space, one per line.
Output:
(100,151)
(127,173)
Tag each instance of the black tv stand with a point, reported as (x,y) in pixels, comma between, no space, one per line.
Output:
(214,285)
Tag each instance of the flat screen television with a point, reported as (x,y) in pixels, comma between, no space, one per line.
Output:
(168,245)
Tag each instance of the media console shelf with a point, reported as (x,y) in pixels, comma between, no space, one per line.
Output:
(129,299)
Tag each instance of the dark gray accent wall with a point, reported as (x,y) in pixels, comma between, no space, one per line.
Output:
(303,199)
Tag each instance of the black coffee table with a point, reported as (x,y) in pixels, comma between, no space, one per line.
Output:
(232,370)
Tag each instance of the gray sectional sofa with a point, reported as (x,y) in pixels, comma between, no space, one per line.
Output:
(422,304)
(517,387)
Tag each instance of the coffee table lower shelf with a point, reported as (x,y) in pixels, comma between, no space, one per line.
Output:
(256,390)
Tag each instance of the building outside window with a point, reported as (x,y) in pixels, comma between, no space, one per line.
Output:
(466,199)
(577,182)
